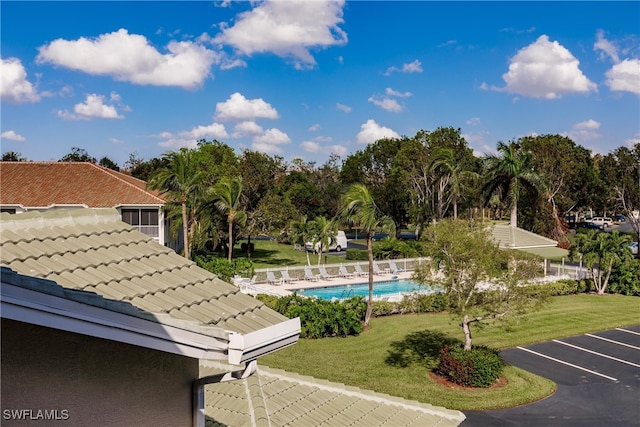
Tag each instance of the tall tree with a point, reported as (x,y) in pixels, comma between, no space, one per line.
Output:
(508,173)
(301,232)
(109,164)
(358,208)
(13,156)
(463,260)
(78,155)
(180,180)
(228,200)
(600,252)
(452,171)
(325,235)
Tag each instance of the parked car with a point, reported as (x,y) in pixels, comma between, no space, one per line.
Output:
(620,218)
(584,225)
(339,243)
(603,221)
(634,247)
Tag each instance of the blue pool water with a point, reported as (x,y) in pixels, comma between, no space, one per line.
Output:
(362,289)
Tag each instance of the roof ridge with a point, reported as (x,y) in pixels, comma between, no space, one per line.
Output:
(114,173)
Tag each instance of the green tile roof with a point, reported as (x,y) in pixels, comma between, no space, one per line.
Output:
(93,250)
(279,398)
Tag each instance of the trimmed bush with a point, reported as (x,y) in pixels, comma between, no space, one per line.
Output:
(320,318)
(478,367)
(357,255)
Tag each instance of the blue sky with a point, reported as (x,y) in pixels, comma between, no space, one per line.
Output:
(310,78)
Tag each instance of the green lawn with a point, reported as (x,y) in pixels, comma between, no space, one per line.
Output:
(271,254)
(396,354)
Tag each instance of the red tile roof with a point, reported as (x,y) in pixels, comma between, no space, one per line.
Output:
(43,184)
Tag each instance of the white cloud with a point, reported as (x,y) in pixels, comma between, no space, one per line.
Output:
(632,142)
(343,107)
(473,121)
(371,132)
(12,135)
(190,138)
(546,69)
(584,131)
(625,76)
(237,107)
(606,48)
(130,57)
(397,94)
(314,128)
(289,29)
(310,146)
(411,67)
(314,147)
(247,128)
(273,136)
(14,86)
(386,104)
(94,107)
(116,141)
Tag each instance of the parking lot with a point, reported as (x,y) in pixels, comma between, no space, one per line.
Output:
(597,377)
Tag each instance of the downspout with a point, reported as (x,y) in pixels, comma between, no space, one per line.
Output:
(198,388)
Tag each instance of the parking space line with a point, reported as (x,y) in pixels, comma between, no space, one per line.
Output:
(614,342)
(628,331)
(597,354)
(568,364)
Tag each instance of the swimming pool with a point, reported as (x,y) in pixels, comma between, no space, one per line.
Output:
(380,289)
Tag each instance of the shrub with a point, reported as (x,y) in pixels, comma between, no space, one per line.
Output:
(320,318)
(625,279)
(478,367)
(561,287)
(224,269)
(357,255)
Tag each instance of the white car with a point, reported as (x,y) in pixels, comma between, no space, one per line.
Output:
(634,247)
(602,221)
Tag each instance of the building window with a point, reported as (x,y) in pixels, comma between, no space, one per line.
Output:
(8,210)
(145,220)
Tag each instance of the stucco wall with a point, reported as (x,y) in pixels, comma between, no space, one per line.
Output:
(86,381)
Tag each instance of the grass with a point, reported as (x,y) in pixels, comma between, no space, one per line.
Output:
(271,254)
(396,355)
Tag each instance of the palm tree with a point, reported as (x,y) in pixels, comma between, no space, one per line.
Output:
(183,184)
(228,193)
(302,232)
(325,235)
(448,167)
(358,207)
(600,252)
(507,173)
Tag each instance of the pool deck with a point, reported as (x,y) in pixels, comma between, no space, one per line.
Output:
(289,288)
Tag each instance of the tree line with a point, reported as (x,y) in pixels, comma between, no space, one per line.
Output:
(535,181)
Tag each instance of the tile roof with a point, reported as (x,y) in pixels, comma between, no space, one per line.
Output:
(43,184)
(279,398)
(517,238)
(93,250)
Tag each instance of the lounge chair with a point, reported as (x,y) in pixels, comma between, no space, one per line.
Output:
(358,271)
(345,273)
(394,268)
(376,270)
(271,279)
(324,274)
(285,276)
(308,275)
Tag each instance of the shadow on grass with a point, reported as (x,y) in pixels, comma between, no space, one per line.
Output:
(267,257)
(421,348)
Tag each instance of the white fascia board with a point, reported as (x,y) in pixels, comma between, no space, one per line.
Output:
(250,346)
(29,306)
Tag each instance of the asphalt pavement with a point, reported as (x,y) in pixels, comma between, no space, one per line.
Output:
(597,377)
